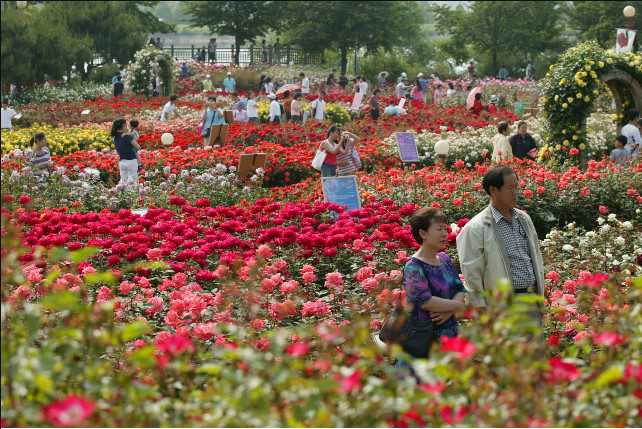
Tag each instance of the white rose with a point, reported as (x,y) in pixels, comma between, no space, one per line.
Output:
(567,248)
(620,240)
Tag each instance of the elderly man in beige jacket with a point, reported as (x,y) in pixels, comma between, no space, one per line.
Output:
(500,242)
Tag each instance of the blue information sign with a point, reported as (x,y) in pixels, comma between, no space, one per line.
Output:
(407,147)
(341,190)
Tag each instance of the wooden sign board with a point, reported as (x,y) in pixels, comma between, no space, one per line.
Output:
(248,164)
(229,116)
(341,190)
(218,135)
(407,147)
(402,102)
(531,111)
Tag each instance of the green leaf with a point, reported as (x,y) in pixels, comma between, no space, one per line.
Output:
(608,376)
(134,330)
(61,301)
(44,383)
(83,254)
(101,277)
(144,358)
(209,368)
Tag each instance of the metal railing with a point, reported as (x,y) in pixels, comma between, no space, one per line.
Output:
(249,55)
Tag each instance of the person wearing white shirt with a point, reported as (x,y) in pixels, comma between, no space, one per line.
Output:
(391,109)
(401,90)
(169,109)
(631,132)
(7,114)
(252,109)
(305,84)
(269,85)
(275,110)
(318,108)
(363,86)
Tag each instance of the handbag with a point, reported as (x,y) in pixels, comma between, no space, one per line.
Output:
(319,158)
(415,336)
(200,127)
(205,132)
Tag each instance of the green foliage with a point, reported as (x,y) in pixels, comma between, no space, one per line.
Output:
(570,87)
(48,40)
(245,20)
(104,73)
(500,30)
(355,25)
(598,20)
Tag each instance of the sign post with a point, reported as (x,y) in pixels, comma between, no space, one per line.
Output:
(248,164)
(341,190)
(519,108)
(407,147)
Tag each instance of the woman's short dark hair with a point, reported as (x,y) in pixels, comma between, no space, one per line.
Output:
(298,95)
(331,130)
(36,138)
(423,218)
(503,126)
(173,97)
(450,85)
(520,123)
(495,177)
(286,94)
(211,97)
(478,96)
(269,79)
(116,126)
(377,91)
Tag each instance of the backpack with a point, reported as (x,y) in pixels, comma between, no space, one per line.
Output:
(487,108)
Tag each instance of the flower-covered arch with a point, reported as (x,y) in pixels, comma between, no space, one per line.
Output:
(141,72)
(573,83)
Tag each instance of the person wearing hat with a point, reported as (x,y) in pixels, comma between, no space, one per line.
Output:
(478,107)
(423,82)
(402,77)
(229,83)
(275,109)
(240,115)
(492,106)
(207,83)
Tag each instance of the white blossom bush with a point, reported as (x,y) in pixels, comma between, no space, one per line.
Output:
(140,73)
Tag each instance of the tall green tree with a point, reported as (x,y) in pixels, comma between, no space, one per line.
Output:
(48,40)
(344,26)
(245,20)
(497,28)
(598,20)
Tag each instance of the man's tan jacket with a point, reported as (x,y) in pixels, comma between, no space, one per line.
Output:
(483,257)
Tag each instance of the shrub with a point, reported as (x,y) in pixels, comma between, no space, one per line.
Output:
(104,73)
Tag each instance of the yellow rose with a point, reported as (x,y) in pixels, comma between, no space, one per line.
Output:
(558,147)
(548,139)
(614,117)
(587,99)
(564,131)
(566,142)
(550,149)
(600,64)
(570,99)
(575,137)
(564,106)
(582,146)
(557,97)
(588,68)
(584,74)
(579,95)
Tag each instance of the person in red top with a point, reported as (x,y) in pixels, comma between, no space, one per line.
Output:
(478,107)
(492,107)
(471,69)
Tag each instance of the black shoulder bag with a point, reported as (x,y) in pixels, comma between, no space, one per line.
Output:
(414,336)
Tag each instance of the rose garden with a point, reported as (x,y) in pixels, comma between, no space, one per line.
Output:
(197,300)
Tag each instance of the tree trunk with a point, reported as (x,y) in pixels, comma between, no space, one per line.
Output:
(344,60)
(236,55)
(494,63)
